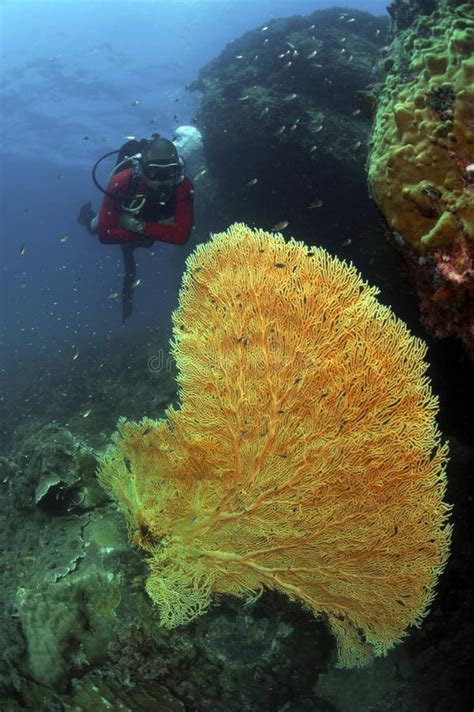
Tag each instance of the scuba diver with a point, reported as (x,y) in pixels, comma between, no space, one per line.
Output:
(148,198)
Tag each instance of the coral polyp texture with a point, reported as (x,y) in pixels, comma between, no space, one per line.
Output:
(421,166)
(304,455)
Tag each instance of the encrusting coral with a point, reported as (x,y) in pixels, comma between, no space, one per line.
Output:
(423,136)
(304,455)
(420,166)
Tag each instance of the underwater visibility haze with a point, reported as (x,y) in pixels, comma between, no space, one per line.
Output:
(236,355)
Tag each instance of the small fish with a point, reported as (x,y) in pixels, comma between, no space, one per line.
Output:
(294,126)
(280,225)
(350,58)
(319,128)
(283,54)
(135,103)
(356,112)
(287,65)
(87,413)
(136,283)
(315,204)
(296,53)
(76,355)
(313,148)
(244,98)
(290,97)
(313,54)
(265,40)
(200,174)
(22,249)
(347,242)
(312,27)
(252,182)
(357,145)
(113,295)
(279,131)
(264,29)
(343,50)
(290,45)
(351,19)
(264,112)
(239,56)
(64,238)
(343,39)
(377,33)
(85,138)
(129,138)
(60,176)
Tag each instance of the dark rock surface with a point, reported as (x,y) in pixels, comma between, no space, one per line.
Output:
(285,120)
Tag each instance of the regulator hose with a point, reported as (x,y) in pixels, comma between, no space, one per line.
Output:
(115,196)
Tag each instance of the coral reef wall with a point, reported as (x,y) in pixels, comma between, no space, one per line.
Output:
(421,166)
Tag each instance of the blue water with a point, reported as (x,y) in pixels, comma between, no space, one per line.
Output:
(76,78)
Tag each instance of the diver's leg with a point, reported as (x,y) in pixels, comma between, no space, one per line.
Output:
(144,242)
(129,276)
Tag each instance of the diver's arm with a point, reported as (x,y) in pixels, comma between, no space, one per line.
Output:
(179,231)
(110,232)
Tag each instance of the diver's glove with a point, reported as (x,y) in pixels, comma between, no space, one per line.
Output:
(128,222)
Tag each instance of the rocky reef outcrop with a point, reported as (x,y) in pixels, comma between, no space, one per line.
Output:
(285,115)
(421,166)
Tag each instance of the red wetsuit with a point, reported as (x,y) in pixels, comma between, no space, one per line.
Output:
(179,209)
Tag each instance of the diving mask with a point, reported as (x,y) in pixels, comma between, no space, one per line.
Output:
(162,172)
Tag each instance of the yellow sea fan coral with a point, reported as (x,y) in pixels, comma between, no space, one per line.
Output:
(304,456)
